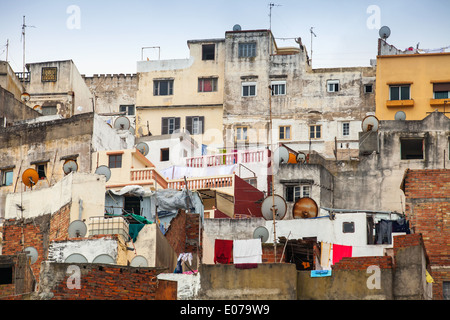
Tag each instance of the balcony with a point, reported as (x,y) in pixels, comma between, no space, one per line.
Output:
(147,176)
(225,181)
(238,157)
(400,103)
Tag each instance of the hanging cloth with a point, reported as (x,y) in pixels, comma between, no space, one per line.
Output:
(247,251)
(223,251)
(325,255)
(340,251)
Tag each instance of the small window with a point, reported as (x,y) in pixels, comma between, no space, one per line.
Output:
(115,161)
(315,132)
(41,169)
(128,109)
(165,156)
(333,85)
(348,227)
(49,74)
(285,132)
(278,88)
(207,84)
(368,88)
(6,275)
(241,133)
(49,110)
(412,148)
(195,125)
(208,52)
(293,193)
(441,90)
(163,87)
(399,92)
(346,129)
(247,50)
(248,89)
(7,177)
(170,125)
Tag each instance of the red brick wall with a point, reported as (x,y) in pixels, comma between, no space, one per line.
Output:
(183,232)
(362,263)
(59,224)
(268,253)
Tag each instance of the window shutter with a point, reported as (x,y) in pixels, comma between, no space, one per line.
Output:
(177,123)
(165,126)
(441,86)
(202,120)
(189,124)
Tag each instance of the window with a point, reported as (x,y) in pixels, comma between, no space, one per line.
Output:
(315,132)
(348,227)
(399,92)
(247,50)
(7,177)
(170,125)
(162,87)
(49,110)
(285,132)
(441,90)
(41,169)
(195,125)
(241,133)
(6,274)
(49,74)
(132,205)
(446,290)
(368,88)
(129,109)
(165,156)
(293,193)
(411,148)
(207,84)
(115,161)
(278,88)
(248,89)
(333,85)
(346,129)
(208,52)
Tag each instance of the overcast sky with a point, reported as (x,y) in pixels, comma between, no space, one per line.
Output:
(107,36)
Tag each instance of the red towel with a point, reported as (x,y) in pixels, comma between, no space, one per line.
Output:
(223,251)
(340,252)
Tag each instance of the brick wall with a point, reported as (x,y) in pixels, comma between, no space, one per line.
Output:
(268,253)
(362,263)
(183,232)
(60,222)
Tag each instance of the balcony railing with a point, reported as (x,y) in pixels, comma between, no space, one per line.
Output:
(147,175)
(227,158)
(225,181)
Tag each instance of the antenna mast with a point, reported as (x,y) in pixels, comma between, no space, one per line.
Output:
(271,5)
(312,34)
(23,39)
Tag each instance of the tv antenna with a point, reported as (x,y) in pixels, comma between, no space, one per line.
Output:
(312,34)
(24,26)
(271,5)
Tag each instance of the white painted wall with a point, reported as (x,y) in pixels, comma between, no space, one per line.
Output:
(106,138)
(188,285)
(90,248)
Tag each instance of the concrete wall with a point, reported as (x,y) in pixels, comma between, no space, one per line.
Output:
(266,282)
(9,80)
(13,109)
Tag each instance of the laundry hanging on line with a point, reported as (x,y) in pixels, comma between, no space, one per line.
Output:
(247,251)
(223,251)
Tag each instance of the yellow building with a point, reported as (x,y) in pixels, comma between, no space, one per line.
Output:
(183,94)
(415,83)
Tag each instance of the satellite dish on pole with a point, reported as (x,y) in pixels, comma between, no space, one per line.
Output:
(301,157)
(370,123)
(143,148)
(237,27)
(25,97)
(384,32)
(70,166)
(30,177)
(261,233)
(305,208)
(32,254)
(122,123)
(77,229)
(279,204)
(105,171)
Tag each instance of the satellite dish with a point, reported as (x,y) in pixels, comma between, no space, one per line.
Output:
(301,157)
(70,166)
(370,123)
(105,171)
(132,130)
(384,32)
(104,258)
(30,177)
(400,115)
(143,148)
(237,27)
(261,233)
(77,229)
(122,123)
(76,258)
(281,155)
(25,97)
(279,204)
(139,261)
(305,208)
(32,254)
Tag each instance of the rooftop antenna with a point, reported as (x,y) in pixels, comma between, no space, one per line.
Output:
(271,5)
(23,39)
(312,34)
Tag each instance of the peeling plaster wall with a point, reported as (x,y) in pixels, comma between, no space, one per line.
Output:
(188,285)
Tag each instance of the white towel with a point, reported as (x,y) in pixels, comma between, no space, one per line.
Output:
(247,251)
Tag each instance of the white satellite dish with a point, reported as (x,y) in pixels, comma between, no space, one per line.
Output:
(32,254)
(370,123)
(400,115)
(143,148)
(261,233)
(104,258)
(105,171)
(301,157)
(279,204)
(384,32)
(122,123)
(77,229)
(281,155)
(76,258)
(70,166)
(139,261)
(132,130)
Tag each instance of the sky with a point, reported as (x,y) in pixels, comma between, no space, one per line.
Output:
(106,37)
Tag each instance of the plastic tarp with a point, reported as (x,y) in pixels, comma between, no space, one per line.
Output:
(134,190)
